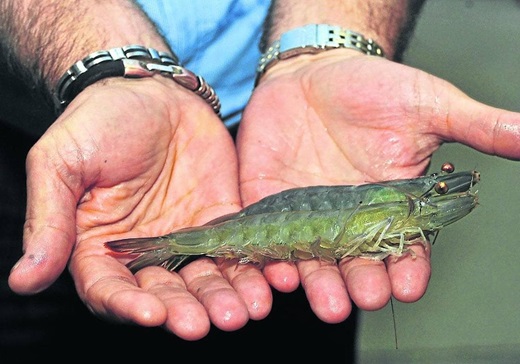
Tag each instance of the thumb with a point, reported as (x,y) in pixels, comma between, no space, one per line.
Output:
(488,129)
(49,230)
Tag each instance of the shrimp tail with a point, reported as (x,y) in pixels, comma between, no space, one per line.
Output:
(152,251)
(138,245)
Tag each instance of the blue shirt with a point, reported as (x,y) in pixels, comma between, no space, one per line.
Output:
(216,39)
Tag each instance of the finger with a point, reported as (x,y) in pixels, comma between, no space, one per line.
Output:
(367,282)
(325,290)
(111,291)
(49,231)
(225,307)
(283,276)
(485,128)
(250,284)
(187,318)
(410,274)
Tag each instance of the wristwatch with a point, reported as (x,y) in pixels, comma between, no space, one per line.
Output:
(314,38)
(132,61)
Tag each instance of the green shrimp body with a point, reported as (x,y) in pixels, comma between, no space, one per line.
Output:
(384,226)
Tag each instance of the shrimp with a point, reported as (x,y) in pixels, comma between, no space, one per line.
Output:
(371,221)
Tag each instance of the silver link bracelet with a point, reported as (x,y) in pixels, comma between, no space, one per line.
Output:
(315,38)
(132,61)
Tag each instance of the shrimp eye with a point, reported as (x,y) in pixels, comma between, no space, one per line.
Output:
(441,188)
(448,167)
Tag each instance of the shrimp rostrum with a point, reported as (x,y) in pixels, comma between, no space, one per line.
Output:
(372,221)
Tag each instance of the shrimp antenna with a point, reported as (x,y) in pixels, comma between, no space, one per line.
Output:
(393,319)
(435,237)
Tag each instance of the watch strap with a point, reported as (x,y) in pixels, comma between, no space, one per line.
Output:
(314,38)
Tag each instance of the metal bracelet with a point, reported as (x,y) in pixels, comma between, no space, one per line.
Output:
(137,62)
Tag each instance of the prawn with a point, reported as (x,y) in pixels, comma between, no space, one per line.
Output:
(372,221)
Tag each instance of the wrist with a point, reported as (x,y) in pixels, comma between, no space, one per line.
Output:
(131,61)
(381,21)
(312,39)
(308,63)
(61,32)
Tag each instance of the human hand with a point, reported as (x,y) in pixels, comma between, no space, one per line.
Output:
(343,118)
(134,158)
